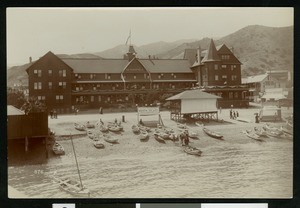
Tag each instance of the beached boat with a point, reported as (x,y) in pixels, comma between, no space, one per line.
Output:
(144,128)
(135,129)
(253,136)
(192,150)
(159,138)
(103,128)
(73,187)
(193,135)
(79,127)
(114,128)
(261,133)
(144,136)
(286,130)
(274,133)
(272,129)
(110,139)
(181,126)
(89,125)
(212,133)
(58,149)
(98,144)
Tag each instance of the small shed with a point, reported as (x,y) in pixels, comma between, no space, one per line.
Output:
(194,104)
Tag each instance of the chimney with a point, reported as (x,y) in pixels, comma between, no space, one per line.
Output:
(30,59)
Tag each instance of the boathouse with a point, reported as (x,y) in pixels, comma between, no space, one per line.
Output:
(26,133)
(194,104)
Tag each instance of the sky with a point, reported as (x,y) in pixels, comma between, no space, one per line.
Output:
(32,32)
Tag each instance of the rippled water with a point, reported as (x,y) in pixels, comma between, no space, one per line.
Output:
(237,167)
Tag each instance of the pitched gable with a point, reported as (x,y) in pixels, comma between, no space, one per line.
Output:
(224,50)
(135,66)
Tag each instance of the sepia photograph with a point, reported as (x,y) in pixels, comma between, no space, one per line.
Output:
(150,102)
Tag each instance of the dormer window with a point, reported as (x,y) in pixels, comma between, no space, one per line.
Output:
(223,66)
(225,57)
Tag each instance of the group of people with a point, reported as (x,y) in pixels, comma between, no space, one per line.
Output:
(184,138)
(233,114)
(53,114)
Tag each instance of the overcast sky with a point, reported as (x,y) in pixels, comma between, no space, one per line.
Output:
(35,31)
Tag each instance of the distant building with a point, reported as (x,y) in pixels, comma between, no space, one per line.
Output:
(267,86)
(218,72)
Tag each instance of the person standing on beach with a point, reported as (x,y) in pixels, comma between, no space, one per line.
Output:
(230,113)
(234,115)
(237,114)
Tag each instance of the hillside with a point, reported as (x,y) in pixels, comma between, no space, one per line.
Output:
(259,48)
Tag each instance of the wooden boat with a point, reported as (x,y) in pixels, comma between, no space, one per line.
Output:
(193,135)
(144,128)
(89,125)
(273,129)
(98,144)
(192,150)
(287,131)
(109,139)
(58,149)
(274,133)
(261,133)
(162,134)
(253,136)
(181,126)
(212,133)
(115,128)
(174,137)
(79,127)
(103,128)
(144,136)
(159,138)
(73,187)
(135,129)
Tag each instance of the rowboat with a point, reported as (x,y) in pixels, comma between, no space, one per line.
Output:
(181,126)
(135,129)
(144,128)
(273,129)
(193,135)
(79,127)
(162,134)
(253,136)
(212,133)
(192,150)
(274,133)
(159,138)
(109,139)
(144,136)
(73,187)
(115,128)
(98,144)
(287,131)
(58,149)
(89,125)
(103,128)
(261,133)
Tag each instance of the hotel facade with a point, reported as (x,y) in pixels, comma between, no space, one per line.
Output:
(68,83)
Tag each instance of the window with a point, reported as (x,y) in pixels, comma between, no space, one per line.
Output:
(236,95)
(224,66)
(107,76)
(35,71)
(62,84)
(50,85)
(224,76)
(50,72)
(62,73)
(225,57)
(233,67)
(92,98)
(159,76)
(99,98)
(216,67)
(134,76)
(41,98)
(233,77)
(174,76)
(92,76)
(59,98)
(37,85)
(216,77)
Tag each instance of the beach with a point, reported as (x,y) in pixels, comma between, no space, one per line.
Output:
(236,167)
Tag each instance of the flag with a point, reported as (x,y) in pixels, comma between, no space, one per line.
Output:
(128,37)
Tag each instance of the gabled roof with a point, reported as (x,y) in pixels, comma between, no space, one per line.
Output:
(96,65)
(12,111)
(190,55)
(166,65)
(212,54)
(193,94)
(254,79)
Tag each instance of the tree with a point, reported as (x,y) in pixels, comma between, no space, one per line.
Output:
(15,97)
